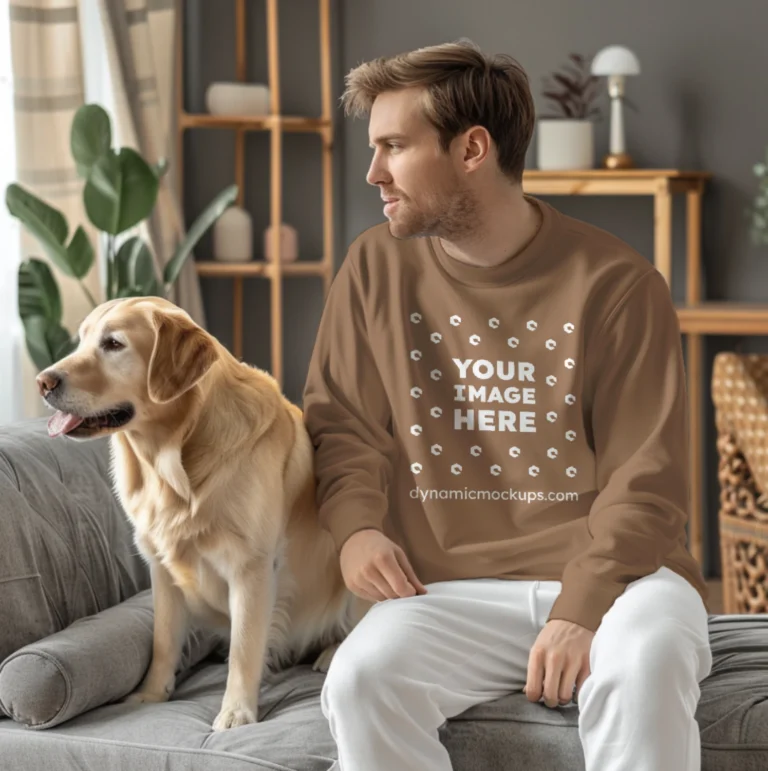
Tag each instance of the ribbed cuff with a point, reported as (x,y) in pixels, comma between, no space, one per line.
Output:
(347,518)
(585,600)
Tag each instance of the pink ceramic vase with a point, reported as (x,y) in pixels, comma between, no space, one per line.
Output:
(289,244)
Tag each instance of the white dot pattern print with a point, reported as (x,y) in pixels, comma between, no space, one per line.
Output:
(515,378)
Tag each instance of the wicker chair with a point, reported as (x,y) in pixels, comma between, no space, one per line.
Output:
(740,396)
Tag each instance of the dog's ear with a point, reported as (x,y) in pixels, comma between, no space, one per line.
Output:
(182,354)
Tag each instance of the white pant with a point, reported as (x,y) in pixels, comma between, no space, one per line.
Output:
(413,662)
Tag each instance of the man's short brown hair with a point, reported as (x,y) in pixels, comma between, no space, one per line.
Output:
(463,87)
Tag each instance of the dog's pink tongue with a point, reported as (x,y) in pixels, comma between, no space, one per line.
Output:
(62,423)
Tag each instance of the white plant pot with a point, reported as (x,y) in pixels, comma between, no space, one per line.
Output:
(565,144)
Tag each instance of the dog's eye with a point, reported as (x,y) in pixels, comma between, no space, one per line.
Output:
(111,344)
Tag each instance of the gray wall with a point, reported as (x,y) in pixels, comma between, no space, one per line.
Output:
(703,71)
(700,106)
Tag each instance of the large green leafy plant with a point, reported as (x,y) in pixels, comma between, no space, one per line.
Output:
(120,191)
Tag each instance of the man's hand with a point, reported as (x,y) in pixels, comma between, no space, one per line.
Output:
(375,568)
(559,661)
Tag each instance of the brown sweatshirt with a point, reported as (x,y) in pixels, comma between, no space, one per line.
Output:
(523,421)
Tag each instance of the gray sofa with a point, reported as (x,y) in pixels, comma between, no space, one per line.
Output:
(75,632)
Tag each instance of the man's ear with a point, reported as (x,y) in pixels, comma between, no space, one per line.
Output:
(182,354)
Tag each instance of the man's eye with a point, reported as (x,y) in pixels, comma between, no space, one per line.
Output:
(111,344)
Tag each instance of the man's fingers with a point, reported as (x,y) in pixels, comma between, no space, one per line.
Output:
(369,591)
(568,681)
(409,572)
(533,685)
(396,577)
(584,673)
(379,580)
(366,591)
(553,669)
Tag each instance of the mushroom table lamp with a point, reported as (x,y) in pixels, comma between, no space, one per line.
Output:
(616,62)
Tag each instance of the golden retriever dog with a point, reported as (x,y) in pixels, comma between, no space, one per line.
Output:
(214,467)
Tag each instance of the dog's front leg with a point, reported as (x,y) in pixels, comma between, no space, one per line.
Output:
(170,628)
(250,602)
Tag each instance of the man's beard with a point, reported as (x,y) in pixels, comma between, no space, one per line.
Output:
(448,216)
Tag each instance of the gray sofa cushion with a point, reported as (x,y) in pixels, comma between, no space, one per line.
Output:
(176,736)
(96,660)
(508,734)
(66,547)
(733,709)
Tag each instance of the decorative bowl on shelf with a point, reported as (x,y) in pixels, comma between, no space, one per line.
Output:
(237,99)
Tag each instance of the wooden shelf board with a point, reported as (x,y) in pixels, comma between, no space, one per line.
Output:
(609,182)
(260,268)
(724,318)
(253,123)
(617,174)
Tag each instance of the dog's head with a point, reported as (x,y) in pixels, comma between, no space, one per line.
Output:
(135,357)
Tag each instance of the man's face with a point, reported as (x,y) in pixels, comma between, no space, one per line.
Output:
(424,188)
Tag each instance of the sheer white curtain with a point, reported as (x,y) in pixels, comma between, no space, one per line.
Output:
(98,80)
(11,334)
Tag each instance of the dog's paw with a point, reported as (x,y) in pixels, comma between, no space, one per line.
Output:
(233,717)
(323,661)
(145,697)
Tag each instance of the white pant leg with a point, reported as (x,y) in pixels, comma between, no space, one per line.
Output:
(413,662)
(648,657)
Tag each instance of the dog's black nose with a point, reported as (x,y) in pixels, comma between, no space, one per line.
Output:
(49,380)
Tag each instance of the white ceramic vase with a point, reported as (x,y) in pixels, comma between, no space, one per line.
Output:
(233,236)
(564,144)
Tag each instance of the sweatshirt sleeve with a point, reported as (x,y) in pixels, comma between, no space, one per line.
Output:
(640,433)
(347,414)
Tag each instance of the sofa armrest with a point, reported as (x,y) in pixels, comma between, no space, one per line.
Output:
(95,661)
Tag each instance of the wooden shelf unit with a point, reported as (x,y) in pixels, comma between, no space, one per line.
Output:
(260,268)
(723,318)
(292,123)
(697,318)
(276,124)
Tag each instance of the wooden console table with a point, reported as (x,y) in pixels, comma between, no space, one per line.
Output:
(662,184)
(697,318)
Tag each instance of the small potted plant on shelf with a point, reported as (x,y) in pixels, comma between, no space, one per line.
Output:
(566,132)
(120,191)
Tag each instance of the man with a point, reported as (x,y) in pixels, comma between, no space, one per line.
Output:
(497,401)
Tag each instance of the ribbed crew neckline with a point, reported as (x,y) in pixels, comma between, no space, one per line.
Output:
(508,270)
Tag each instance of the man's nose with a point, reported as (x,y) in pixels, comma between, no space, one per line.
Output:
(49,380)
(377,174)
